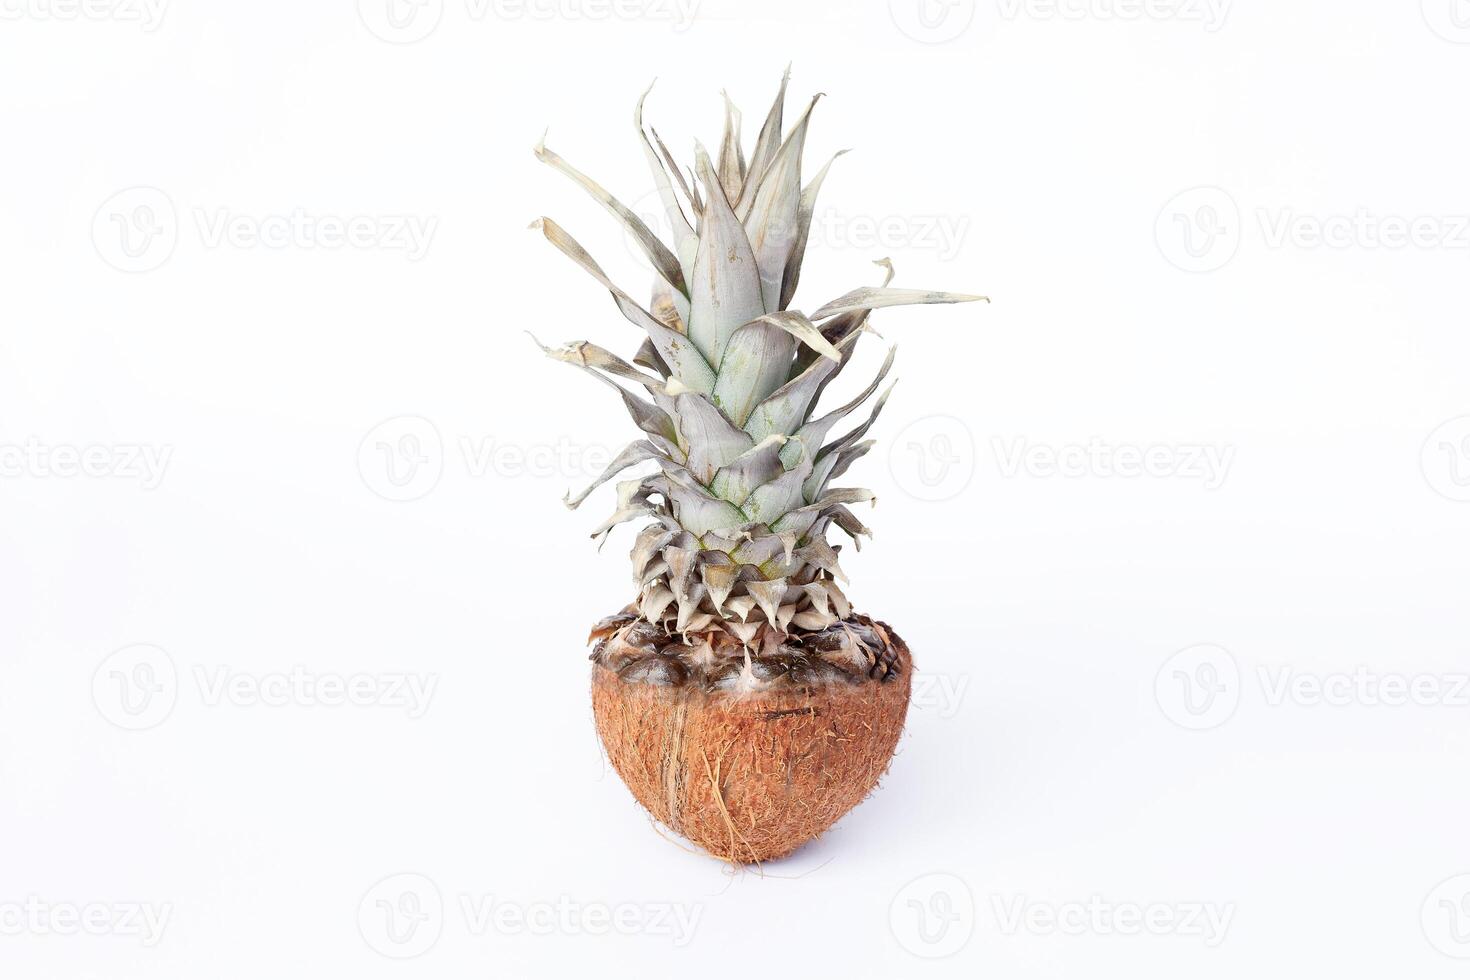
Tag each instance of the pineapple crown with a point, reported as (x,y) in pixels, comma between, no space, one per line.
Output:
(740,501)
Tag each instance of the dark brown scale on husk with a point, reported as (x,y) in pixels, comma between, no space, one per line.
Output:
(847,651)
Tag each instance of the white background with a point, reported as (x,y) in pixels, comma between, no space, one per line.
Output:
(1137,187)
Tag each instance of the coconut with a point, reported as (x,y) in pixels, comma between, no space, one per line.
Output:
(753,758)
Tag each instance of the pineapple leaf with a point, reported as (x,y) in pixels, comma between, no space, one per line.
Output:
(875,297)
(637,452)
(766,145)
(664,262)
(713,441)
(811,434)
(731,165)
(685,241)
(726,290)
(756,466)
(772,222)
(676,350)
(804,211)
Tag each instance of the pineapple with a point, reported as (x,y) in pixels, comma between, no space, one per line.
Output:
(739,696)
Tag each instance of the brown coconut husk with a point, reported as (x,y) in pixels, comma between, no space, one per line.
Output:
(752,776)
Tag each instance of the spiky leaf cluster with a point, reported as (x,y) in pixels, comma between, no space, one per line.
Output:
(742,496)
